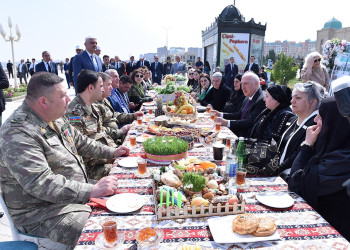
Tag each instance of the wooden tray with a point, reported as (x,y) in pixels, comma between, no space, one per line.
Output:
(170,213)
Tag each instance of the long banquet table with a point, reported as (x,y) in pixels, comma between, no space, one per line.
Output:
(299,227)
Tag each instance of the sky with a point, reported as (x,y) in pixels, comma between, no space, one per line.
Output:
(132,27)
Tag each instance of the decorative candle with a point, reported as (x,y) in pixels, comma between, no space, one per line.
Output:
(167,197)
(161,196)
(179,198)
(173,198)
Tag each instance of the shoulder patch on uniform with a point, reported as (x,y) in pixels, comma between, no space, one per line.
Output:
(18,120)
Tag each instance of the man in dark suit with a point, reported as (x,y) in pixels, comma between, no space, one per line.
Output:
(142,62)
(4,84)
(87,60)
(106,65)
(32,67)
(66,71)
(130,66)
(78,50)
(28,63)
(231,70)
(241,122)
(157,70)
(46,64)
(167,66)
(252,66)
(22,71)
(119,66)
(9,67)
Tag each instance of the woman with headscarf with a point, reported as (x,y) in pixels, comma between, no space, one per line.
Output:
(218,94)
(271,123)
(234,104)
(322,166)
(313,70)
(206,68)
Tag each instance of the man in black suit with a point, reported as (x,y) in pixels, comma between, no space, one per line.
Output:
(142,62)
(167,66)
(157,70)
(130,66)
(9,67)
(78,50)
(46,64)
(252,66)
(241,122)
(22,71)
(119,66)
(231,70)
(28,63)
(106,64)
(32,67)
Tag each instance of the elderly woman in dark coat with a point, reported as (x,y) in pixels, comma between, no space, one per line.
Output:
(271,123)
(322,166)
(234,104)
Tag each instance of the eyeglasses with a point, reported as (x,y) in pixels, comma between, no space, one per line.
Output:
(139,76)
(190,74)
(318,60)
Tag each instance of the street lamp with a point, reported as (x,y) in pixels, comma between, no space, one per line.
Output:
(11,38)
(166,32)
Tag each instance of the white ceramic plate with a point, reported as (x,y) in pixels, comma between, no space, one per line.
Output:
(148,103)
(158,162)
(275,199)
(125,203)
(128,162)
(221,229)
(141,139)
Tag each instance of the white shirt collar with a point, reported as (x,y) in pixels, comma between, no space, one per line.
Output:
(89,53)
(250,98)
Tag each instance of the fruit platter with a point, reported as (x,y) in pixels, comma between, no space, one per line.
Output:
(183,106)
(192,188)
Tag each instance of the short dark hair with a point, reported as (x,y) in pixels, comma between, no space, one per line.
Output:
(125,79)
(42,54)
(168,57)
(104,76)
(41,83)
(33,59)
(85,78)
(105,57)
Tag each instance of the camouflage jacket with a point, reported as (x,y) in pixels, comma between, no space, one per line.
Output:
(88,121)
(41,171)
(111,118)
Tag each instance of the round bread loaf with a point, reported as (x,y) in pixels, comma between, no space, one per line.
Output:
(244,224)
(266,227)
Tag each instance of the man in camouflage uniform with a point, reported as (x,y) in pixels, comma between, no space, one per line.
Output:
(43,179)
(110,118)
(85,118)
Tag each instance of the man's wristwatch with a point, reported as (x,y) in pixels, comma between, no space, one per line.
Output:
(306,144)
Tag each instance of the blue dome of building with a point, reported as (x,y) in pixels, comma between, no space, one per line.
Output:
(333,24)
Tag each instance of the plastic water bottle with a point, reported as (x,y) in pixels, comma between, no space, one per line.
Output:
(231,170)
(241,153)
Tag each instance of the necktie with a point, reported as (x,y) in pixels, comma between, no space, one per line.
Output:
(231,67)
(142,64)
(178,64)
(48,66)
(94,63)
(245,109)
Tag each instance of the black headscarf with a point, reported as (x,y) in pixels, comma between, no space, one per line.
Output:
(281,93)
(335,132)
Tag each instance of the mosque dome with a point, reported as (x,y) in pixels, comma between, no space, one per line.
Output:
(230,13)
(333,24)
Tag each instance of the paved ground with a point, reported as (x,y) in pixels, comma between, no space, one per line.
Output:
(5,232)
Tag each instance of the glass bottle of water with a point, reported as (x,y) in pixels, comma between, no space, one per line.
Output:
(231,169)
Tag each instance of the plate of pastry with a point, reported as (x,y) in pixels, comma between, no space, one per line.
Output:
(243,228)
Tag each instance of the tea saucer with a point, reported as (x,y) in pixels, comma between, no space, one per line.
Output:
(101,243)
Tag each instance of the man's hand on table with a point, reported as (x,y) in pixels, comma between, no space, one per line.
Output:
(222,120)
(217,113)
(104,187)
(121,150)
(126,128)
(137,114)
